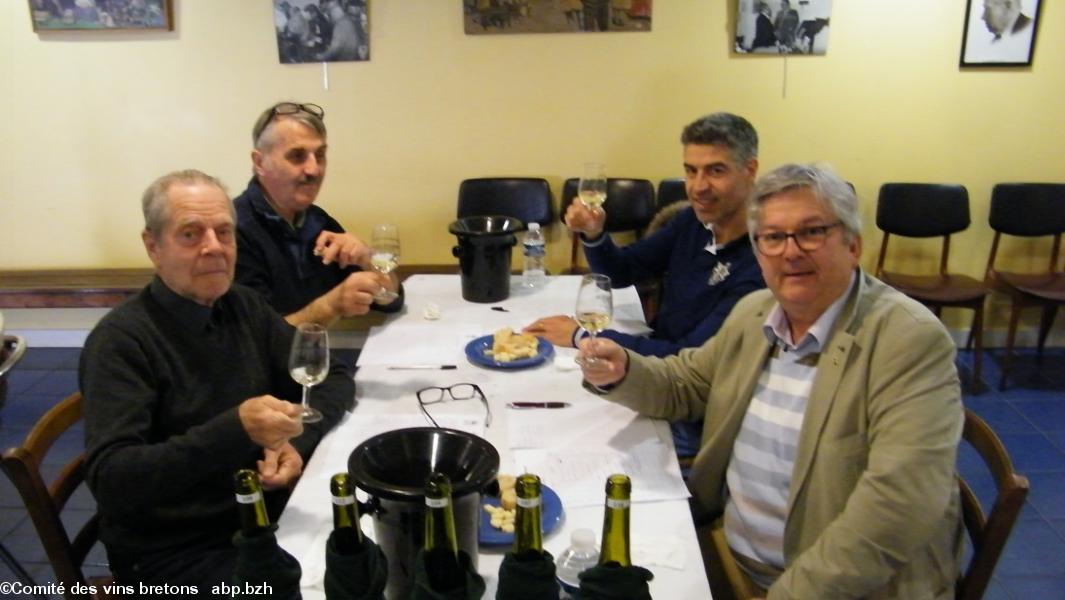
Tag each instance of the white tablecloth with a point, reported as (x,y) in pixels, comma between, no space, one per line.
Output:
(572,449)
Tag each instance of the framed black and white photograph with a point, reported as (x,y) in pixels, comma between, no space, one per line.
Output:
(310,31)
(782,26)
(96,15)
(999,33)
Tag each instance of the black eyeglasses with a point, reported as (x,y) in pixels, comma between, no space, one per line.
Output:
(459,391)
(807,239)
(290,108)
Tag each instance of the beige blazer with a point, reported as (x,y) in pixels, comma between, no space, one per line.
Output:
(873,508)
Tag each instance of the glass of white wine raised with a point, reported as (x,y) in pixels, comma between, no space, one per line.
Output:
(308,363)
(384,255)
(595,308)
(592,187)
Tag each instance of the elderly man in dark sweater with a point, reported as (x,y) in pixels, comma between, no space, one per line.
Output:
(291,251)
(185,384)
(703,255)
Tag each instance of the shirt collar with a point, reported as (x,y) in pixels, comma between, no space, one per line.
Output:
(777,331)
(191,314)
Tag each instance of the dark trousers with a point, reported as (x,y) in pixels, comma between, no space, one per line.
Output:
(201,567)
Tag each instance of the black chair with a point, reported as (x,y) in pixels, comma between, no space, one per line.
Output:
(1028,210)
(671,190)
(527,199)
(629,206)
(925,210)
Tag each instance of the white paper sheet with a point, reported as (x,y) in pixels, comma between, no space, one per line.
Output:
(579,474)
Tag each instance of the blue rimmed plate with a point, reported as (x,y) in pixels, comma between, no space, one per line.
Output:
(475,351)
(551,516)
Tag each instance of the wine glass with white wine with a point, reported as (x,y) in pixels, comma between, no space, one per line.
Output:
(592,188)
(595,308)
(384,255)
(308,363)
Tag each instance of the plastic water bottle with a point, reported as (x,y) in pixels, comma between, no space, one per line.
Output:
(533,275)
(581,554)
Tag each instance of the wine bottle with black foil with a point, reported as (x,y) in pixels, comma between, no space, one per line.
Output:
(615,548)
(347,535)
(528,531)
(250,504)
(441,544)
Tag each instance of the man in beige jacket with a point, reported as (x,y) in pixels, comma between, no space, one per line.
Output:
(832,412)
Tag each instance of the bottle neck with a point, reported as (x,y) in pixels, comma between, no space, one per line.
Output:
(250,504)
(528,532)
(616,522)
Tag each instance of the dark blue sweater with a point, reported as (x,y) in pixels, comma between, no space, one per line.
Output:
(278,260)
(693,307)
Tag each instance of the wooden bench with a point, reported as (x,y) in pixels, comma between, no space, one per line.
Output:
(104,288)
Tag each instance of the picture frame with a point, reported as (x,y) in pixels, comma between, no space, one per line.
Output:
(102,15)
(779,27)
(313,31)
(999,33)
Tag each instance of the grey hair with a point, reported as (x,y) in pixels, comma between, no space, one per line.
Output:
(262,133)
(726,129)
(830,190)
(155,202)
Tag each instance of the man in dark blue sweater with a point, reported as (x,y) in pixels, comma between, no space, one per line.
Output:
(184,384)
(291,251)
(703,255)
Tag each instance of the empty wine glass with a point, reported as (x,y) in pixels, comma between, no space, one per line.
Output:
(384,255)
(308,363)
(592,187)
(595,308)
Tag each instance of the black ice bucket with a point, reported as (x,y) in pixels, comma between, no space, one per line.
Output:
(483,251)
(392,468)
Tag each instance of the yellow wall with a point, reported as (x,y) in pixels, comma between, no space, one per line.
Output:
(91,118)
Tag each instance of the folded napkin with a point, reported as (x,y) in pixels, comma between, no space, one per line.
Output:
(614,582)
(660,550)
(528,576)
(261,561)
(471,586)
(565,359)
(358,576)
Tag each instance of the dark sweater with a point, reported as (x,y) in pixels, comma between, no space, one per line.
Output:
(693,305)
(278,261)
(162,378)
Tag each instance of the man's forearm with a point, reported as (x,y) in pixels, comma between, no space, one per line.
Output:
(320,311)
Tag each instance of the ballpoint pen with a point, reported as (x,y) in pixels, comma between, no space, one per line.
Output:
(422,367)
(537,404)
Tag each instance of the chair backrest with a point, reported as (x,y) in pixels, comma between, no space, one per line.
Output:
(629,206)
(527,199)
(988,533)
(45,501)
(922,209)
(1027,210)
(670,190)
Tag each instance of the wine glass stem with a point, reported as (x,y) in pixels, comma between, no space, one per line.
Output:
(591,348)
(306,396)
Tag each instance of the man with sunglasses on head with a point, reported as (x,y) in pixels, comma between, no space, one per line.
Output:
(292,251)
(832,413)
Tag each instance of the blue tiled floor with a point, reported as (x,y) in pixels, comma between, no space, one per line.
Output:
(1029,417)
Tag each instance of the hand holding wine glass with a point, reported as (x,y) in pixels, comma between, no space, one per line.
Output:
(595,308)
(308,363)
(592,188)
(384,256)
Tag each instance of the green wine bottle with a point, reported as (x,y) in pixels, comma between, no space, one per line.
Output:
(250,504)
(441,544)
(528,532)
(347,533)
(616,521)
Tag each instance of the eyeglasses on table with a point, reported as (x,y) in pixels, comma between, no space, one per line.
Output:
(459,391)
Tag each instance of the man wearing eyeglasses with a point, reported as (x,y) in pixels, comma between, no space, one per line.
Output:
(832,413)
(291,250)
